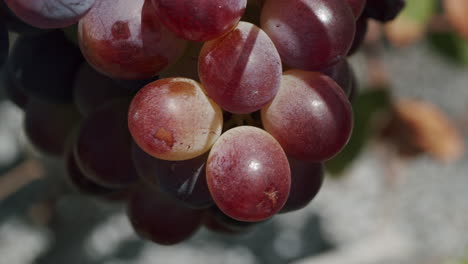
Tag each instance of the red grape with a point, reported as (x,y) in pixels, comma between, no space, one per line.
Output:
(309,34)
(361,30)
(310,116)
(173,119)
(240,71)
(199,20)
(50,13)
(125,40)
(342,74)
(248,174)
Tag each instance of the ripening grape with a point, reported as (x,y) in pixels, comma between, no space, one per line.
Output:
(309,34)
(240,71)
(248,174)
(50,13)
(125,40)
(199,20)
(173,119)
(310,116)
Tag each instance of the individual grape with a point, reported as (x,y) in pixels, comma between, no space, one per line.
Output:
(80,182)
(45,65)
(125,40)
(184,180)
(361,31)
(306,181)
(199,20)
(103,146)
(310,116)
(240,71)
(13,92)
(309,34)
(383,10)
(50,13)
(160,219)
(342,74)
(4,44)
(217,221)
(357,6)
(248,174)
(47,126)
(13,23)
(92,89)
(173,119)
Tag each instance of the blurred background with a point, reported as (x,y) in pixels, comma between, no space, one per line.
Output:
(396,194)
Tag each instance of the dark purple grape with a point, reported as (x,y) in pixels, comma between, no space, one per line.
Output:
(216,221)
(13,92)
(383,10)
(341,73)
(306,181)
(357,6)
(309,34)
(93,89)
(184,180)
(103,147)
(45,65)
(50,13)
(248,174)
(160,219)
(48,126)
(310,116)
(4,44)
(361,30)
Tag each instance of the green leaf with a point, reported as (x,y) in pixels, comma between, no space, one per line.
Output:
(419,10)
(450,46)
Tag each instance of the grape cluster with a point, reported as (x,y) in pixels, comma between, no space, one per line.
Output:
(196,112)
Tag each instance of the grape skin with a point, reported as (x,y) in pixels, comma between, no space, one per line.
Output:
(248,174)
(125,40)
(103,147)
(172,119)
(199,20)
(310,116)
(357,6)
(309,34)
(184,180)
(160,219)
(50,13)
(306,181)
(240,71)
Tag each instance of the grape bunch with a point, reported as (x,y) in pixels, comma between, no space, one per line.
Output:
(194,112)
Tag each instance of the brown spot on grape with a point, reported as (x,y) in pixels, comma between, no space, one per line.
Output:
(166,136)
(272,196)
(182,88)
(120,30)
